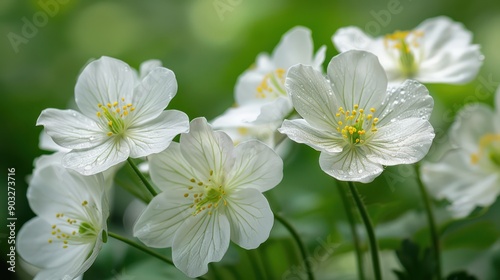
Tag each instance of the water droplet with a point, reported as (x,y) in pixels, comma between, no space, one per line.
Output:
(126,69)
(91,138)
(360,171)
(87,167)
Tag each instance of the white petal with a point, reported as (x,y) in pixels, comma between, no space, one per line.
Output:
(55,189)
(357,78)
(245,91)
(205,150)
(255,166)
(71,129)
(33,246)
(471,123)
(155,136)
(162,218)
(410,100)
(239,116)
(147,66)
(250,217)
(153,95)
(319,58)
(296,46)
(170,171)
(275,111)
(350,165)
(463,184)
(98,159)
(402,142)
(312,96)
(103,81)
(201,239)
(449,56)
(46,143)
(351,38)
(302,132)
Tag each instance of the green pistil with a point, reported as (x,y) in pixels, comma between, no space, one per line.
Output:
(407,60)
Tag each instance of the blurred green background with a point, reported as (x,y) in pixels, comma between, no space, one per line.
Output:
(208,44)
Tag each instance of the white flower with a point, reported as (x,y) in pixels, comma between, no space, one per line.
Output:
(439,50)
(469,175)
(70,228)
(211,193)
(354,120)
(121,116)
(260,94)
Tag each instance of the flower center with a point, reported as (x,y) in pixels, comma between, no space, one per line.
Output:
(489,146)
(73,231)
(207,196)
(356,126)
(403,42)
(273,84)
(112,116)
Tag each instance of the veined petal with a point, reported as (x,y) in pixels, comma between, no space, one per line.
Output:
(448,55)
(274,111)
(54,189)
(351,38)
(250,217)
(155,135)
(170,171)
(471,123)
(153,94)
(46,143)
(70,129)
(205,150)
(33,246)
(358,79)
(402,142)
(350,165)
(201,239)
(102,81)
(147,66)
(296,46)
(464,185)
(312,96)
(302,132)
(255,166)
(458,67)
(163,216)
(410,100)
(98,159)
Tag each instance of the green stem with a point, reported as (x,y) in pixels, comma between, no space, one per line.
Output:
(431,221)
(299,243)
(141,176)
(144,249)
(352,224)
(369,231)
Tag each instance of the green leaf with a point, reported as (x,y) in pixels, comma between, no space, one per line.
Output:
(479,235)
(417,264)
(460,275)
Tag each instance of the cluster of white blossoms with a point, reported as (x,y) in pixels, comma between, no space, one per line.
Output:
(368,111)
